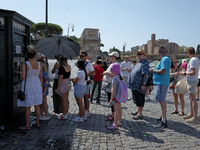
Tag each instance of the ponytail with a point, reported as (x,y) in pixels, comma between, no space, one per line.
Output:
(120,77)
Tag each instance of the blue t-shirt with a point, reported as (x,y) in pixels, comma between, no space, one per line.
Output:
(163,79)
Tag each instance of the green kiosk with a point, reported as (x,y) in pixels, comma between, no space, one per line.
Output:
(14,38)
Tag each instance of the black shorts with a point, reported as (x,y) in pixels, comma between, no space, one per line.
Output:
(149,82)
(138,98)
(198,83)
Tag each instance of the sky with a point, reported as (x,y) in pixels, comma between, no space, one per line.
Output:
(119,21)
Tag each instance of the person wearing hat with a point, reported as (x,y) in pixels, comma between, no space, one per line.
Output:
(137,82)
(161,77)
(80,82)
(107,80)
(126,69)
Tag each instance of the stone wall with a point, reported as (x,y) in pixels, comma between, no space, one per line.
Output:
(90,43)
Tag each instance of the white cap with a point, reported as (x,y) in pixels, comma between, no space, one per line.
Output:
(116,54)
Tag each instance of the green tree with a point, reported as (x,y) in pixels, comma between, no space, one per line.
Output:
(116,50)
(105,52)
(75,39)
(181,49)
(198,49)
(39,28)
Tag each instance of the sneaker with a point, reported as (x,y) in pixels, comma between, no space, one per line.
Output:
(192,120)
(119,124)
(147,98)
(162,124)
(134,114)
(98,102)
(109,118)
(62,116)
(84,118)
(112,127)
(187,116)
(129,98)
(87,114)
(197,99)
(44,117)
(137,117)
(78,119)
(159,119)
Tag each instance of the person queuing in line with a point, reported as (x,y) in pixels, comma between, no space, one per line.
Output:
(97,80)
(197,88)
(175,73)
(57,101)
(33,88)
(115,69)
(149,84)
(104,66)
(137,83)
(90,73)
(161,77)
(107,79)
(134,62)
(64,85)
(80,82)
(192,81)
(126,69)
(44,106)
(184,64)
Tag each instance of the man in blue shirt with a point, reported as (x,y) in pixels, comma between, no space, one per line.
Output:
(161,82)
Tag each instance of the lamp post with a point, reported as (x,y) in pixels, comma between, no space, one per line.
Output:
(71,25)
(46,25)
(124,46)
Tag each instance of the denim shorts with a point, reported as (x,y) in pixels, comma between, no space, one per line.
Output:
(79,90)
(160,92)
(191,86)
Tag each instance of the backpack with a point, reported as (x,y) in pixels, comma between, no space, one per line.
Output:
(122,93)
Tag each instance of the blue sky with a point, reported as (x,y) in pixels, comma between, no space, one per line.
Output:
(119,21)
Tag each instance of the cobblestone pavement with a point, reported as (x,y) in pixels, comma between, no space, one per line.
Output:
(93,134)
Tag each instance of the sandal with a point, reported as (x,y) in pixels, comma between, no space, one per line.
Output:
(181,113)
(24,128)
(109,118)
(174,112)
(36,125)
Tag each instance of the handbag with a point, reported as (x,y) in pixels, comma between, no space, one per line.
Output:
(172,85)
(21,94)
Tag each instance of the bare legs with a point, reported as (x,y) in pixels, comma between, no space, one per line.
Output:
(65,101)
(181,97)
(44,106)
(118,113)
(163,108)
(81,107)
(193,105)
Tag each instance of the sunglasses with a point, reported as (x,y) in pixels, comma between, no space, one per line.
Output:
(139,54)
(81,56)
(175,61)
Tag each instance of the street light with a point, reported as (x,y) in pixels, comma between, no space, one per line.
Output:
(46,25)
(71,25)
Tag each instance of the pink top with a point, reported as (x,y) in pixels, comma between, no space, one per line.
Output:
(184,65)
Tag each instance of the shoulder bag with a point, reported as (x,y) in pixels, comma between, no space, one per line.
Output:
(21,94)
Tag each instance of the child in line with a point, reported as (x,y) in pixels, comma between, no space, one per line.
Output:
(115,68)
(80,89)
(44,105)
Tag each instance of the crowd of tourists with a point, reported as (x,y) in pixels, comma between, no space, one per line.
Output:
(141,77)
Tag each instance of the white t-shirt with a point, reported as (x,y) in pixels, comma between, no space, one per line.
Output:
(81,76)
(89,68)
(108,78)
(193,63)
(125,65)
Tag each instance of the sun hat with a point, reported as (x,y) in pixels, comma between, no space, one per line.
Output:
(141,51)
(80,63)
(115,68)
(116,54)
(126,56)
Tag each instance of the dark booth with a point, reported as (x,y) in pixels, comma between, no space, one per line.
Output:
(14,38)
